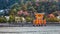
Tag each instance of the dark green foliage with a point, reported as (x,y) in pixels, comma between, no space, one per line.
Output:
(12,18)
(29,19)
(3,19)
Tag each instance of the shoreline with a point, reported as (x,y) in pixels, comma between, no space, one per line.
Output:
(26,25)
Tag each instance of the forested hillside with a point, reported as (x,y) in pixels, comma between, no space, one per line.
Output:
(6,3)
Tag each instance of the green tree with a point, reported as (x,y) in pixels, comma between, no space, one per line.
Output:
(11,18)
(3,19)
(15,8)
(29,19)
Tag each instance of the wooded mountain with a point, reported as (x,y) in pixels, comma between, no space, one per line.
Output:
(4,4)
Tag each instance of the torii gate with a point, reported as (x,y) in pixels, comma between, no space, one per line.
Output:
(39,19)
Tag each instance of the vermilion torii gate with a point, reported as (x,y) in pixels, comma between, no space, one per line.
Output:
(39,19)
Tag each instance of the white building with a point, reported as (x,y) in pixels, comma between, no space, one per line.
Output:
(7,17)
(58,17)
(19,19)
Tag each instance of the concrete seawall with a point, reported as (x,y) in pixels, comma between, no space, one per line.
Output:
(26,25)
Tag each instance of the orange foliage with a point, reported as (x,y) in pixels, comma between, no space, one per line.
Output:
(51,16)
